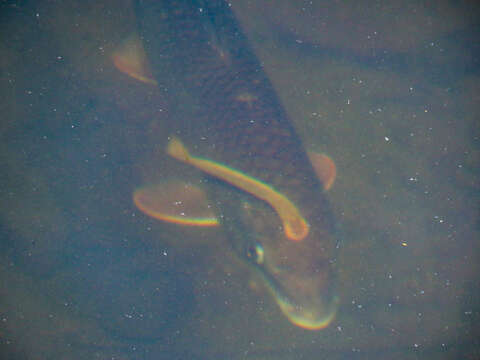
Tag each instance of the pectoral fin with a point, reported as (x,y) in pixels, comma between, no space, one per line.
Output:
(175,202)
(324,168)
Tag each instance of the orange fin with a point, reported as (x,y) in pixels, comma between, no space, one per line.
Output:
(130,59)
(175,202)
(324,168)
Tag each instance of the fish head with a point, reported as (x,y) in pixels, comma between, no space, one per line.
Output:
(299,274)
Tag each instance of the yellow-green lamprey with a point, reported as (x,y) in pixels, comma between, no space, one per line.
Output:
(295,226)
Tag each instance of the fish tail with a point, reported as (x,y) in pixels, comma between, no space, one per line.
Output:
(177,150)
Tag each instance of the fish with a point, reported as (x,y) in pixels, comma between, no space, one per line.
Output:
(260,186)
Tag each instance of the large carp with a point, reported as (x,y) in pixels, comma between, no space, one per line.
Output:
(228,123)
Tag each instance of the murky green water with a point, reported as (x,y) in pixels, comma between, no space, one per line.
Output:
(391,94)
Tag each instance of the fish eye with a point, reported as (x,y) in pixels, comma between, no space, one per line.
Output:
(256,253)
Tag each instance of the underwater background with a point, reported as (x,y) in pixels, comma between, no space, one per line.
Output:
(389,91)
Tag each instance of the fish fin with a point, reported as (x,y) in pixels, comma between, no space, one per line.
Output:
(324,167)
(130,58)
(175,202)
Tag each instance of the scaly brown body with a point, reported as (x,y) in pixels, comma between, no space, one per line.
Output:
(227,111)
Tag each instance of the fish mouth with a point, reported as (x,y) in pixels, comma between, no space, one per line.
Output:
(310,309)
(315,316)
